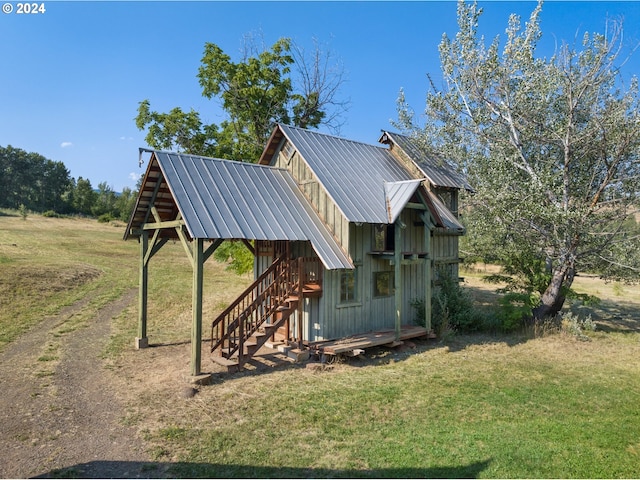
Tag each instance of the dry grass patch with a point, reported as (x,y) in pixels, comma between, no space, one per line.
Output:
(49,263)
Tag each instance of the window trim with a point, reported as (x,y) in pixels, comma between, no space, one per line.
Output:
(388,237)
(390,283)
(355,299)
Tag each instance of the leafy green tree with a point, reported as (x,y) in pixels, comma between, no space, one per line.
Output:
(104,201)
(84,197)
(31,180)
(550,145)
(125,203)
(265,87)
(56,179)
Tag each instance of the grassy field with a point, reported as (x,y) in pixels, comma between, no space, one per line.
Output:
(476,406)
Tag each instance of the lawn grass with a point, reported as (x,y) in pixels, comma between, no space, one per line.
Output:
(554,406)
(474,406)
(548,407)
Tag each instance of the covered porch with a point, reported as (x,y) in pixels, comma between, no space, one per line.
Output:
(201,202)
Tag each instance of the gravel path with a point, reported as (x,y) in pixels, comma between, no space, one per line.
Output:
(66,421)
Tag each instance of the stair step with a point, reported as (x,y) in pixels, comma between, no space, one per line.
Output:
(269,328)
(298,355)
(225,361)
(231,364)
(285,308)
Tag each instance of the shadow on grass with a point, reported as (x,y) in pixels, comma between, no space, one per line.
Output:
(116,469)
(611,316)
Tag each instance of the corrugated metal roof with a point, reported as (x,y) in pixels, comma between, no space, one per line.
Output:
(223,199)
(397,195)
(449,220)
(437,171)
(352,173)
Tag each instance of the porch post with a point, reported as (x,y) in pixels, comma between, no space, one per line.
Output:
(196,327)
(428,281)
(398,274)
(141,340)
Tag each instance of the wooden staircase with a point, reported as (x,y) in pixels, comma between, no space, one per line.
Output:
(263,309)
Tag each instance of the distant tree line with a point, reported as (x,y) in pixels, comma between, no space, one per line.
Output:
(31,181)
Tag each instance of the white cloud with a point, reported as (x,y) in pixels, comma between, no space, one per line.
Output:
(134,176)
(127,139)
(66,144)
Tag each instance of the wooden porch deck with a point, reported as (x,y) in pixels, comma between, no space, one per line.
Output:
(366,340)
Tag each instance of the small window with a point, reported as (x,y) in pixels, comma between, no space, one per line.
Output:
(383,284)
(347,286)
(383,238)
(449,198)
(288,150)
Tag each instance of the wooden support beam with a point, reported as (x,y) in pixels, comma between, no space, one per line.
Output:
(300,301)
(185,244)
(196,326)
(141,339)
(212,248)
(247,244)
(153,199)
(398,293)
(156,245)
(159,225)
(428,271)
(416,206)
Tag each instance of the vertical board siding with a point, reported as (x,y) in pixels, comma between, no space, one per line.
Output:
(445,253)
(325,317)
(324,205)
(369,313)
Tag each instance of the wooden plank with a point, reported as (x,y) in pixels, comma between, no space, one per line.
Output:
(368,340)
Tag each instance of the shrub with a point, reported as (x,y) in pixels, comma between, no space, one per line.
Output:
(22,210)
(51,214)
(515,308)
(573,325)
(452,310)
(106,218)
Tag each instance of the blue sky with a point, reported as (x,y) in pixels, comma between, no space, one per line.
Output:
(71,78)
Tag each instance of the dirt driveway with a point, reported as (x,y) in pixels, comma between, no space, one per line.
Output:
(66,421)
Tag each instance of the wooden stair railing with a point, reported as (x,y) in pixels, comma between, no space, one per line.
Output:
(243,327)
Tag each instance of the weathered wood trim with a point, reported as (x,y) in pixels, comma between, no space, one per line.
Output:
(161,225)
(247,244)
(212,248)
(428,271)
(185,244)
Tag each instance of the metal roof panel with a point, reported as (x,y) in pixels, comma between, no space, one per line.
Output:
(352,173)
(234,200)
(397,195)
(437,170)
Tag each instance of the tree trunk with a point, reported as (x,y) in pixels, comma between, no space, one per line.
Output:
(554,296)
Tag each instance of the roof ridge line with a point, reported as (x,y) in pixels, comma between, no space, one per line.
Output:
(337,137)
(204,157)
